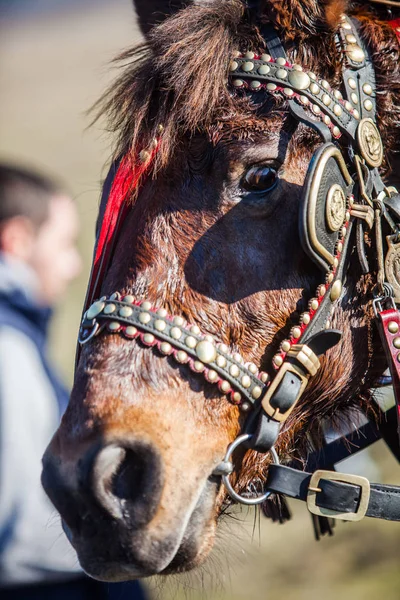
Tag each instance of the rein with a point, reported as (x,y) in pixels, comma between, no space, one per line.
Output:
(343,197)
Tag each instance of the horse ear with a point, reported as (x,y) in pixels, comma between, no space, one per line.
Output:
(151,12)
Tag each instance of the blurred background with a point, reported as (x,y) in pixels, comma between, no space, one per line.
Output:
(54,63)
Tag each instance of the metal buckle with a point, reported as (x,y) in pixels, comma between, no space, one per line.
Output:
(313,490)
(266,404)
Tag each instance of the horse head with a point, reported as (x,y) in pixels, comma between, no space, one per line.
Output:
(209,250)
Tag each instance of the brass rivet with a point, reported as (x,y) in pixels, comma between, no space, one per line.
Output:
(325,84)
(160,325)
(277,360)
(175,333)
(264,377)
(144,318)
(304,100)
(329,278)
(336,131)
(195,330)
(285,346)
(109,309)
(212,375)
(338,95)
(281,61)
(162,312)
(125,311)
(129,299)
(299,80)
(314,304)
(367,89)
(246,381)
(256,392)
(356,114)
(321,290)
(281,74)
(393,327)
(368,104)
(265,57)
(165,348)
(354,98)
(337,110)
(351,38)
(355,53)
(396,342)
(247,66)
(255,85)
(190,341)
(236,397)
(336,290)
(223,348)
(238,83)
(305,318)
(95,310)
(352,83)
(297,67)
(327,120)
(348,105)
(264,70)
(114,326)
(288,91)
(326,99)
(198,366)
(312,75)
(234,370)
(221,361)
(181,356)
(148,338)
(249,54)
(206,351)
(316,109)
(271,87)
(130,331)
(252,368)
(314,88)
(225,386)
(346,26)
(178,321)
(296,332)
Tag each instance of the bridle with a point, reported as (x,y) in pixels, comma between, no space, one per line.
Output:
(343,197)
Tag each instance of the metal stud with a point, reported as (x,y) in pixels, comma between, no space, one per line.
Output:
(175,333)
(256,392)
(160,325)
(338,95)
(249,54)
(339,247)
(125,311)
(144,318)
(355,53)
(247,66)
(277,360)
(223,348)
(314,304)
(285,346)
(252,368)
(321,291)
(325,84)
(299,80)
(348,105)
(281,74)
(327,324)
(198,366)
(335,262)
(271,87)
(130,331)
(288,91)
(336,290)
(368,104)
(255,85)
(352,83)
(264,377)
(236,53)
(329,278)
(354,98)
(245,406)
(190,341)
(398,358)
(95,310)
(396,342)
(236,397)
(238,83)
(337,109)
(212,376)
(304,100)
(343,232)
(265,57)
(225,386)
(195,330)
(115,296)
(314,88)
(129,299)
(346,26)
(367,89)
(264,70)
(245,381)
(356,114)
(206,351)
(336,131)
(327,120)
(312,75)
(281,61)
(209,338)
(234,370)
(114,326)
(296,332)
(305,318)
(393,327)
(165,348)
(162,312)
(238,357)
(297,67)
(316,109)
(221,361)
(109,309)
(326,99)
(148,338)
(351,38)
(178,321)
(146,305)
(182,357)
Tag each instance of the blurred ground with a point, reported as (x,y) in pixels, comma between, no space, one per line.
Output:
(53,66)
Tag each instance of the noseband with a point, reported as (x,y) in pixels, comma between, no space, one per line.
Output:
(343,197)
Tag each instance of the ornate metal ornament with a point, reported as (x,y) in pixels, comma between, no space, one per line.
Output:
(370,142)
(335,207)
(392,265)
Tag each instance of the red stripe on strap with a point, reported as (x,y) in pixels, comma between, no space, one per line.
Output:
(389,328)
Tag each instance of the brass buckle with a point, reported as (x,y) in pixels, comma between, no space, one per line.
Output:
(271,410)
(313,490)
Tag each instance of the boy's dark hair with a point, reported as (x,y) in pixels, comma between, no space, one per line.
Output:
(25,193)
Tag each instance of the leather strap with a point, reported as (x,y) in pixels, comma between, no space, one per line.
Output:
(389,330)
(384,500)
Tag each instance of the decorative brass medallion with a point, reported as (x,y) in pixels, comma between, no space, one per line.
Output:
(392,266)
(370,143)
(335,207)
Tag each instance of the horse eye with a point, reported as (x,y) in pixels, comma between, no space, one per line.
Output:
(260,179)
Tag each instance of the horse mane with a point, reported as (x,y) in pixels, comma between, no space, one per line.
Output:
(177,81)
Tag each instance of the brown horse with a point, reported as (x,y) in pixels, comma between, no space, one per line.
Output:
(212,236)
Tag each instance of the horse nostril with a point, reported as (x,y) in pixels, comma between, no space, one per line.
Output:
(127,481)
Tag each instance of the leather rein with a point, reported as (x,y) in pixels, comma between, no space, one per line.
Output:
(345,192)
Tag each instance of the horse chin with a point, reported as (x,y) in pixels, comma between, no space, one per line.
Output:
(139,554)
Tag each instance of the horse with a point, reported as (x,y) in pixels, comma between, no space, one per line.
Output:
(204,299)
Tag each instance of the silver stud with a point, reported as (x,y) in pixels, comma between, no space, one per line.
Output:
(355,53)
(249,54)
(225,386)
(146,305)
(234,370)
(288,91)
(304,100)
(144,318)
(316,109)
(352,83)
(255,85)
(114,326)
(182,357)
(125,311)
(223,348)
(198,366)
(346,26)
(351,38)
(305,318)
(367,89)
(245,407)
(236,397)
(339,247)
(329,278)
(237,357)
(264,70)
(178,321)
(354,98)
(368,104)
(314,88)
(356,114)
(265,57)
(297,68)
(165,348)
(148,338)
(221,361)
(95,310)
(313,304)
(245,381)
(256,392)
(337,109)
(190,341)
(130,331)
(393,327)
(162,312)
(338,95)
(347,105)
(264,377)
(277,360)
(396,342)
(109,309)
(209,338)
(336,290)
(312,75)
(271,87)
(195,330)
(285,346)
(206,351)
(296,332)
(327,120)
(238,83)
(252,368)
(281,74)
(343,232)
(175,333)
(129,299)
(299,80)
(247,66)
(281,61)
(325,84)
(212,376)
(336,131)
(160,325)
(321,291)
(326,99)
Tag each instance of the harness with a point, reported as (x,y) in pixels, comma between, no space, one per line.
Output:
(343,197)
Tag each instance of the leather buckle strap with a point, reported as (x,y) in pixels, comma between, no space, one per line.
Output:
(313,490)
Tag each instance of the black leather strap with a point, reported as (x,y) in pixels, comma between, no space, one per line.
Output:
(384,502)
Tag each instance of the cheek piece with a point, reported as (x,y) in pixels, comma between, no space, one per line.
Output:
(343,199)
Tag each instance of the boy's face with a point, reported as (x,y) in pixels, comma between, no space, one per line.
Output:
(54,255)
